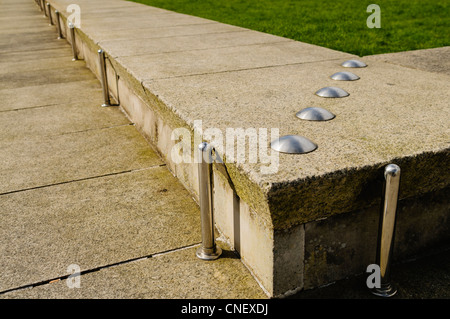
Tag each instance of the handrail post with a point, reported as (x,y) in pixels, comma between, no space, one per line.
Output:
(43,8)
(208,250)
(104,79)
(386,230)
(74,45)
(49,13)
(58,24)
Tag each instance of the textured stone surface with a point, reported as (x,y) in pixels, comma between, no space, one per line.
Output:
(178,275)
(370,130)
(94,223)
(432,60)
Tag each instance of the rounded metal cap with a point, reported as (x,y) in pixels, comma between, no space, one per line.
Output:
(315,114)
(344,76)
(293,144)
(354,64)
(332,91)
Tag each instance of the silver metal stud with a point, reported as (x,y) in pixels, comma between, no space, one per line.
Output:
(344,76)
(293,144)
(354,64)
(332,91)
(315,114)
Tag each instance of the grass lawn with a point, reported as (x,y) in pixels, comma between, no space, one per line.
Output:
(336,24)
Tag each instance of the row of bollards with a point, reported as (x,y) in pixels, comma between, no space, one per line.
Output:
(46,7)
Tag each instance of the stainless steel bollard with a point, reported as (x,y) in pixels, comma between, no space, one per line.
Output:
(49,8)
(58,24)
(208,250)
(44,8)
(104,79)
(387,230)
(74,45)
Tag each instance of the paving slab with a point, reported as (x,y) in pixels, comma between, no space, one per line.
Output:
(36,77)
(35,55)
(239,38)
(94,223)
(171,31)
(40,161)
(41,63)
(58,119)
(176,275)
(31,42)
(195,62)
(51,94)
(432,60)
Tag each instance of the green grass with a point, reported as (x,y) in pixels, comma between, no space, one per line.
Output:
(336,24)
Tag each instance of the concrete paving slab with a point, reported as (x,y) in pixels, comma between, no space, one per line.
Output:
(94,223)
(173,31)
(176,275)
(36,55)
(33,43)
(136,47)
(21,37)
(194,62)
(48,76)
(58,119)
(35,162)
(165,20)
(41,63)
(432,60)
(88,91)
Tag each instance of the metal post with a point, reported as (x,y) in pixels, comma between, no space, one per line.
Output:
(49,13)
(74,46)
(104,79)
(43,8)
(58,24)
(208,250)
(387,229)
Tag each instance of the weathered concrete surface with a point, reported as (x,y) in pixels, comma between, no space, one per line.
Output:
(137,47)
(173,275)
(80,185)
(34,162)
(94,223)
(370,129)
(432,60)
(52,120)
(45,94)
